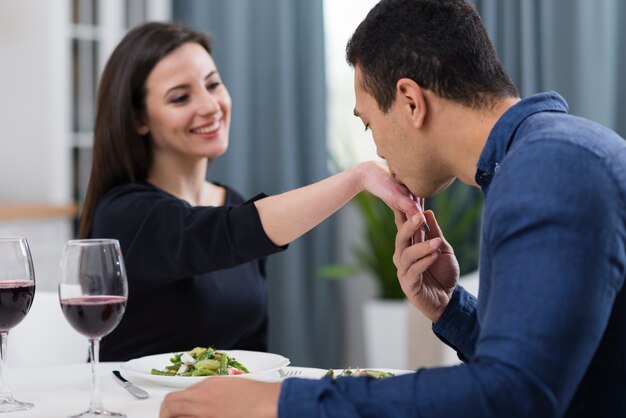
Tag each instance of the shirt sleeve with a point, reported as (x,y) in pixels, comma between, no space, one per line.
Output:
(458,325)
(163,239)
(554,278)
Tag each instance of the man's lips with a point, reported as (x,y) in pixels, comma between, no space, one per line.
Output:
(396,179)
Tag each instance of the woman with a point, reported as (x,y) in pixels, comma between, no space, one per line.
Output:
(193,249)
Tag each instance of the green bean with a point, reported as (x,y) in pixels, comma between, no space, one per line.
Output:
(162,373)
(223,364)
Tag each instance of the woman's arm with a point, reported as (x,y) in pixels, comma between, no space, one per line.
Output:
(287,216)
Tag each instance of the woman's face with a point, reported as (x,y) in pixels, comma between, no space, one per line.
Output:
(187,106)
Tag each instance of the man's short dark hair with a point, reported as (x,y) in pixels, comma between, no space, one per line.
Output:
(442,45)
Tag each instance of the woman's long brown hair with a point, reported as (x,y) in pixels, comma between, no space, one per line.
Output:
(120,154)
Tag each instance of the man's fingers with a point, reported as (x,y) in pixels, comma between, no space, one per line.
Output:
(174,404)
(406,231)
(435,231)
(183,404)
(415,253)
(420,266)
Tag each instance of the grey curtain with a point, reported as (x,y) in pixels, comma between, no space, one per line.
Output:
(270,54)
(575,47)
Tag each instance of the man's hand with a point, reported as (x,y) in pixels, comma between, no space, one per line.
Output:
(427,268)
(224,397)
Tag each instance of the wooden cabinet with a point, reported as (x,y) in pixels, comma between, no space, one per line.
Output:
(47,228)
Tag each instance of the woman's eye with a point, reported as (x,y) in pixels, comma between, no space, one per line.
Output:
(367,127)
(179,99)
(213,86)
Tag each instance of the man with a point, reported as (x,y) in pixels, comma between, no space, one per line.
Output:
(547,337)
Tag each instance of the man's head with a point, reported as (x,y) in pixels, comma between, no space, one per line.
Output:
(430,86)
(440,44)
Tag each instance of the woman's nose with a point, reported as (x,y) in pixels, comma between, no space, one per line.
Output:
(208,104)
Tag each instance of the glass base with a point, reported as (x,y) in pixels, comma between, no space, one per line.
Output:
(99,412)
(9,404)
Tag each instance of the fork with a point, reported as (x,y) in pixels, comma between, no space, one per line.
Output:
(289,373)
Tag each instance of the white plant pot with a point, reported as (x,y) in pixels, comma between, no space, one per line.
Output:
(386,325)
(398,336)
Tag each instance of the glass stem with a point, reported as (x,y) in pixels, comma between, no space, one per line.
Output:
(94,354)
(5,392)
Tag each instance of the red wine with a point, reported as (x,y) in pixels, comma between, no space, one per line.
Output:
(94,316)
(15,301)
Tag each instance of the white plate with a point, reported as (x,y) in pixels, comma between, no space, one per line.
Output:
(257,362)
(395,372)
(313,373)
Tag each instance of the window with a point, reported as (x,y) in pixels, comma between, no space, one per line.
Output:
(97,27)
(347,141)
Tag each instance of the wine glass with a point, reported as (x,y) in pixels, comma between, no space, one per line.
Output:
(17,289)
(93,292)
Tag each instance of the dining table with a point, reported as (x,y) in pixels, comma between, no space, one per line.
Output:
(62,390)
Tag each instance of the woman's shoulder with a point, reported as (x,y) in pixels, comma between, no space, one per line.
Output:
(135,192)
(133,199)
(232,196)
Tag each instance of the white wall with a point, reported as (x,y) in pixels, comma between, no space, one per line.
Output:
(34,140)
(347,139)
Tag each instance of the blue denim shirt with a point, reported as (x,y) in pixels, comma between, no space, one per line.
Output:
(547,337)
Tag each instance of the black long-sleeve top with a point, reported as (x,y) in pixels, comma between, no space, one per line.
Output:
(196,274)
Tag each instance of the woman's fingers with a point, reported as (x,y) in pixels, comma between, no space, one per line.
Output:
(399,218)
(403,202)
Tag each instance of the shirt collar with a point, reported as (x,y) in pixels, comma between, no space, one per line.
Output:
(503,132)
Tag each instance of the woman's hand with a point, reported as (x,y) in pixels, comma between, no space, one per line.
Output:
(288,215)
(427,268)
(376,179)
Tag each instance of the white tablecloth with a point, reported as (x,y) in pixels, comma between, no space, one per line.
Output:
(64,390)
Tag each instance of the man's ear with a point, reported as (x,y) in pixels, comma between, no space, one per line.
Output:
(411,97)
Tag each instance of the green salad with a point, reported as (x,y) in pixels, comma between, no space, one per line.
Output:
(202,362)
(376,374)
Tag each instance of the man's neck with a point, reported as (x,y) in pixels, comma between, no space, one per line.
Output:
(465,132)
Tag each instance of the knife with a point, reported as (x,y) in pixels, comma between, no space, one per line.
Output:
(134,390)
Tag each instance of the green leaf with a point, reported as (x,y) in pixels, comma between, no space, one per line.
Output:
(337,271)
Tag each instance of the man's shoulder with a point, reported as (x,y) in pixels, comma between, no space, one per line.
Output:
(555,157)
(566,130)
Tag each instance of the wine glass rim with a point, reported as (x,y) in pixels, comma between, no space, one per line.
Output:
(16,238)
(93,241)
